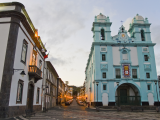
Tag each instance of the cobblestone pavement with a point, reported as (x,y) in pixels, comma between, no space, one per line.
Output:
(76,112)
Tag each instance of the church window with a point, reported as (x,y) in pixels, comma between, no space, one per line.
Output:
(145,57)
(104,74)
(134,73)
(147,75)
(102,34)
(19,91)
(103,57)
(149,87)
(142,35)
(125,55)
(122,30)
(104,87)
(118,73)
(24,52)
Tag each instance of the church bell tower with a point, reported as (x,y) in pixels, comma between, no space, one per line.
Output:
(101,28)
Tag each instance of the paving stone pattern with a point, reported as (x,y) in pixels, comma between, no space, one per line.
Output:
(76,112)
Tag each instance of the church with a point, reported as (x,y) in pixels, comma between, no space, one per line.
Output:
(121,69)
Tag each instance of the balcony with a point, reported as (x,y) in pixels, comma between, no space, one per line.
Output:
(34,72)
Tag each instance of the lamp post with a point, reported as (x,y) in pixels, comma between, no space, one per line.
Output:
(46,87)
(22,73)
(97,97)
(158,108)
(118,98)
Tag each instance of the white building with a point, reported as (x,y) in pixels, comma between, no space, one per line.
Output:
(50,85)
(20,48)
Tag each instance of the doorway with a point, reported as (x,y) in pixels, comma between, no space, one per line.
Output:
(30,97)
(123,94)
(127,94)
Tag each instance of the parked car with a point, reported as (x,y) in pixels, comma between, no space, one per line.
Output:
(80,103)
(69,102)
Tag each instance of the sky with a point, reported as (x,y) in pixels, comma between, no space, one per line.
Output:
(65,27)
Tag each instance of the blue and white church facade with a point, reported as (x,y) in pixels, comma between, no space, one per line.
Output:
(121,69)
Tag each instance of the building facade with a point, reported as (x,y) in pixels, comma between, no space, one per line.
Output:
(50,85)
(60,91)
(21,51)
(121,69)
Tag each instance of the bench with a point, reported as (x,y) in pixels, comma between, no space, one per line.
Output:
(29,113)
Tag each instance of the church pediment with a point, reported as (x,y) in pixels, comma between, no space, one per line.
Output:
(122,36)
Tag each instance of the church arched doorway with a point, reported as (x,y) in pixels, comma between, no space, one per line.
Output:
(127,94)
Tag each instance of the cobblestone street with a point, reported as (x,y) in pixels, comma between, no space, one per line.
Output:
(76,112)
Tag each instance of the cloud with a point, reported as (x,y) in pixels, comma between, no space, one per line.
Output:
(99,9)
(126,24)
(57,20)
(155,39)
(155,34)
(96,11)
(56,61)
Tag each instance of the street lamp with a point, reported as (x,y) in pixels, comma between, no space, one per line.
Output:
(118,97)
(117,83)
(45,87)
(44,108)
(97,97)
(22,73)
(158,108)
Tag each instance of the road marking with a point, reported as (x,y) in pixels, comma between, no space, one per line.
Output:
(16,118)
(23,118)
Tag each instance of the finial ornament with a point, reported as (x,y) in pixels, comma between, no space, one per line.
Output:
(121,22)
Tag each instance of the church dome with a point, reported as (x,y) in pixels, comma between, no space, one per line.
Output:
(101,18)
(138,18)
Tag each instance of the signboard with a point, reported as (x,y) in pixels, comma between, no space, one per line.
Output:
(126,70)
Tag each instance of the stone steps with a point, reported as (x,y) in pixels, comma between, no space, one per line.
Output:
(127,107)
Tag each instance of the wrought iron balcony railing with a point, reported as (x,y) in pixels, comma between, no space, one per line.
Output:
(128,100)
(34,72)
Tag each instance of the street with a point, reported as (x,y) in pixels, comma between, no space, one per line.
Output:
(76,112)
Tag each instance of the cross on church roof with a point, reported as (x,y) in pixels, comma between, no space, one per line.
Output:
(121,22)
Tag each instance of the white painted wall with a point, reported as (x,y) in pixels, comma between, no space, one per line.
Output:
(7,8)
(150,99)
(19,65)
(138,83)
(134,56)
(131,92)
(105,99)
(116,55)
(4,28)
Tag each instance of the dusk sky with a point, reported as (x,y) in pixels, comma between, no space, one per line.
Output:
(65,27)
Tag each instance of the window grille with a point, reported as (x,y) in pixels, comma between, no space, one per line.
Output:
(118,74)
(104,87)
(103,57)
(134,73)
(147,75)
(146,57)
(149,87)
(104,75)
